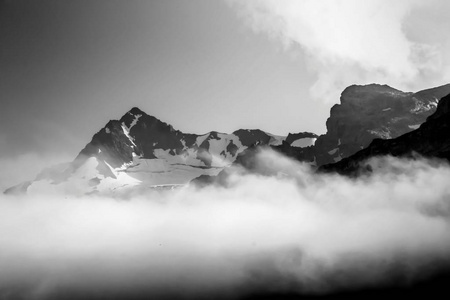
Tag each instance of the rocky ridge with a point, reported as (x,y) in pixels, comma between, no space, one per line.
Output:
(140,151)
(431,140)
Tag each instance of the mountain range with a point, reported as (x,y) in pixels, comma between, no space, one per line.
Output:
(139,151)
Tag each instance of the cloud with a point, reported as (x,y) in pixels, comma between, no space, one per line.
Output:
(356,42)
(23,167)
(290,230)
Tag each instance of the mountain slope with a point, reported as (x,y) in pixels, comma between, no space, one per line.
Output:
(140,151)
(364,114)
(431,139)
(373,111)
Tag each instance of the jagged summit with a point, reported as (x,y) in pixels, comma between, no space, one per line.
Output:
(141,151)
(136,111)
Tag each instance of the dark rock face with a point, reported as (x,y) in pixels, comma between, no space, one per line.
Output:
(114,146)
(139,133)
(373,111)
(364,114)
(431,139)
(136,132)
(126,144)
(367,113)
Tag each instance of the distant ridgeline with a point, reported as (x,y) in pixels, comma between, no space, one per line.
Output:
(140,152)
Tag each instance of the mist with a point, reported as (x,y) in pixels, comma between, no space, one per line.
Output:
(280,229)
(26,166)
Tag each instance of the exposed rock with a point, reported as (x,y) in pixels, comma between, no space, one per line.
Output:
(431,139)
(140,150)
(373,111)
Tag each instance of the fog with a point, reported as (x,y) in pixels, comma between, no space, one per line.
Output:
(289,230)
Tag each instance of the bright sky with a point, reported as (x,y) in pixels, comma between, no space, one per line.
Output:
(67,67)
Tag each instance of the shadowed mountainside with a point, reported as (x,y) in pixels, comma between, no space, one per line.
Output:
(431,139)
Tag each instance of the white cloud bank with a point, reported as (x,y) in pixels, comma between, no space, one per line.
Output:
(292,231)
(402,43)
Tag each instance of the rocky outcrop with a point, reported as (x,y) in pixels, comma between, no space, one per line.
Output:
(431,139)
(373,111)
(138,149)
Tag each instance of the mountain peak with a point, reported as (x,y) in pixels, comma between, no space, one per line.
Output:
(140,149)
(136,111)
(368,92)
(130,118)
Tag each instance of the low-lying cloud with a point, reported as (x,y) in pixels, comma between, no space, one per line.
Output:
(290,231)
(350,41)
(26,166)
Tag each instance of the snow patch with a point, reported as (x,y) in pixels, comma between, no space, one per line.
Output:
(188,157)
(134,122)
(337,158)
(383,133)
(183,142)
(304,142)
(332,152)
(127,133)
(81,181)
(107,130)
(216,147)
(421,107)
(169,170)
(414,127)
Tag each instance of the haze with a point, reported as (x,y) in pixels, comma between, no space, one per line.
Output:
(293,231)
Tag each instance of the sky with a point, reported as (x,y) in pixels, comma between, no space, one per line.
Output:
(68,67)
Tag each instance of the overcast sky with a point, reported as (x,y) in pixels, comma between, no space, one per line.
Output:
(67,67)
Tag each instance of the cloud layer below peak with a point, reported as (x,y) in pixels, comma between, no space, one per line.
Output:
(290,230)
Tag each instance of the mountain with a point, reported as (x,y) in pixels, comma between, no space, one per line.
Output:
(140,151)
(431,139)
(373,111)
(364,114)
